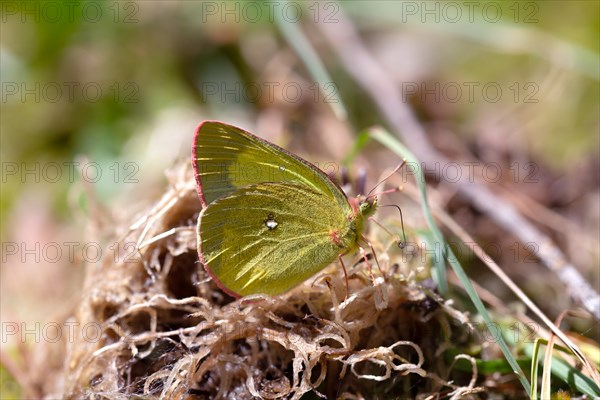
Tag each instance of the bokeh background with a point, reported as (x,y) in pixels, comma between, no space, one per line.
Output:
(99,98)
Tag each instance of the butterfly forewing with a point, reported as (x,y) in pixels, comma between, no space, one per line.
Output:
(227,158)
(269,237)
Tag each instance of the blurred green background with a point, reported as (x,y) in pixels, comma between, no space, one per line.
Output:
(118,87)
(127,69)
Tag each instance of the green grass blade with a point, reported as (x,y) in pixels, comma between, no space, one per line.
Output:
(563,371)
(534,369)
(439,270)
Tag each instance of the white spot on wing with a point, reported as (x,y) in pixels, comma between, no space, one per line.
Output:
(271,223)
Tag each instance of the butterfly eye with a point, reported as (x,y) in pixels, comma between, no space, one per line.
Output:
(367,204)
(363,207)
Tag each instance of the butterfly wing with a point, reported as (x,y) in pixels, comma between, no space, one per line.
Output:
(226,158)
(269,237)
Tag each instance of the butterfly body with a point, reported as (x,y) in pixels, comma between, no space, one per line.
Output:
(270,219)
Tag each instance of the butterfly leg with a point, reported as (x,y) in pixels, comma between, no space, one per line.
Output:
(345,273)
(364,255)
(362,251)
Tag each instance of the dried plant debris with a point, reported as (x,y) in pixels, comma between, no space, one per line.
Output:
(166,331)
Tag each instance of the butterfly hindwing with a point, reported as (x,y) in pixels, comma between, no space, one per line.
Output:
(268,237)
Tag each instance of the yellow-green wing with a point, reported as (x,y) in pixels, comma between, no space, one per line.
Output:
(227,158)
(270,237)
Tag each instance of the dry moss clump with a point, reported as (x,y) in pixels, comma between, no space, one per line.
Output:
(153,324)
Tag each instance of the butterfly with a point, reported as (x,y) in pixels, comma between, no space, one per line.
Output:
(269,219)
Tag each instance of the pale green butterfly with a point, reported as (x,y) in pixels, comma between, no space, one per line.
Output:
(269,219)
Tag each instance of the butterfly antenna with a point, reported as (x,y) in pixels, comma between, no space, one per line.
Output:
(403,242)
(387,177)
